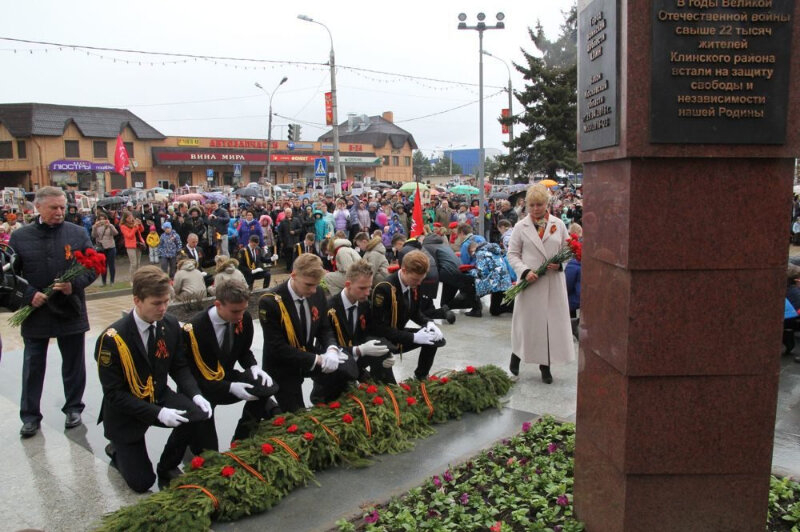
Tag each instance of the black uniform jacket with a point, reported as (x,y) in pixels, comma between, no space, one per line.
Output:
(391,311)
(213,358)
(125,416)
(282,360)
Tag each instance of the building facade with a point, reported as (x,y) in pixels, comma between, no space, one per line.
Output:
(73,147)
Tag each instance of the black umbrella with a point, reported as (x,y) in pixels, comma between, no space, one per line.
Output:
(252,192)
(498,195)
(113,200)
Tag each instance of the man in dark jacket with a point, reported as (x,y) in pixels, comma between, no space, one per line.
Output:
(452,278)
(290,230)
(218,219)
(43,253)
(134,357)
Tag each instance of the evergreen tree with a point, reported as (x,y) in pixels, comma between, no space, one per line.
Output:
(443,166)
(421,164)
(548,142)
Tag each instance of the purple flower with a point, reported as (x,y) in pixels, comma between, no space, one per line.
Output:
(448,477)
(526,426)
(372,518)
(523,461)
(490,454)
(557,528)
(562,500)
(433,513)
(538,471)
(464,499)
(436,481)
(551,448)
(506,441)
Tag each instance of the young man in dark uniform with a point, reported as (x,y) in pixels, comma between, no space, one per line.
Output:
(396,301)
(298,340)
(252,263)
(350,317)
(215,340)
(134,356)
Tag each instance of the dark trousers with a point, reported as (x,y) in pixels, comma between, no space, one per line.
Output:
(290,394)
(455,282)
(251,278)
(169,265)
(111,270)
(496,306)
(73,375)
(288,256)
(790,326)
(426,355)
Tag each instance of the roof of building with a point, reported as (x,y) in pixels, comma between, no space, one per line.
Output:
(30,119)
(374,130)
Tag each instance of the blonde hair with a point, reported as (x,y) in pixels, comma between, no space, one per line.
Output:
(537,194)
(416,262)
(576,229)
(308,265)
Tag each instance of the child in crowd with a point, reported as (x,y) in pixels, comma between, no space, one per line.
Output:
(152,245)
(504,226)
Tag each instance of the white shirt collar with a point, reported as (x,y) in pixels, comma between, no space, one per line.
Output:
(403,285)
(142,325)
(294,295)
(347,303)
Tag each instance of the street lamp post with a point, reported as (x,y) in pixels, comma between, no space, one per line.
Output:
(480,27)
(451,146)
(332,63)
(510,114)
(268,166)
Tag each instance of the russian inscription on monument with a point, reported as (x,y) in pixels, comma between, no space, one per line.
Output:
(720,71)
(598,121)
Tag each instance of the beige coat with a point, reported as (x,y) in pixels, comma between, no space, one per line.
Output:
(540,325)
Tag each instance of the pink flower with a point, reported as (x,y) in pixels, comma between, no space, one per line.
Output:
(510,461)
(551,448)
(436,481)
(496,527)
(526,426)
(562,500)
(464,499)
(448,476)
(372,518)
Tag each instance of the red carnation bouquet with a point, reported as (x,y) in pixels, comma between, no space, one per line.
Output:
(82,262)
(572,249)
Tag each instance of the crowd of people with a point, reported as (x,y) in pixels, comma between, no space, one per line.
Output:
(360,289)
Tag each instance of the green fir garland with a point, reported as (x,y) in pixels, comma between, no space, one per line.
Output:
(283,452)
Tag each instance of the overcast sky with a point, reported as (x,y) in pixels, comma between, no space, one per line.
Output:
(183,97)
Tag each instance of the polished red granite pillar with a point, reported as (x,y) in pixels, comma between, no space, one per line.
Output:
(684,261)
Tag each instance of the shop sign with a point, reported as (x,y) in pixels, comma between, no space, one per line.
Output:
(63,165)
(239,143)
(188,142)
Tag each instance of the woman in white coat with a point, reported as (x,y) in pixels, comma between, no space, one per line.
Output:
(540,325)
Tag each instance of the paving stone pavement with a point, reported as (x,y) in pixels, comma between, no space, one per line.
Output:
(60,479)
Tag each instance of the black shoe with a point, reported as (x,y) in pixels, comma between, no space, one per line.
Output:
(547,378)
(450,316)
(474,313)
(513,367)
(165,476)
(29,429)
(420,377)
(112,455)
(73,420)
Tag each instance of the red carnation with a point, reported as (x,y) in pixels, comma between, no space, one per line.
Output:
(335,404)
(228,471)
(308,436)
(372,389)
(197,462)
(470,369)
(347,418)
(405,386)
(292,429)
(267,449)
(444,380)
(362,385)
(411,401)
(434,378)
(278,421)
(378,400)
(234,444)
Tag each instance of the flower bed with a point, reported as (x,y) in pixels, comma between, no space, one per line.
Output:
(283,452)
(521,484)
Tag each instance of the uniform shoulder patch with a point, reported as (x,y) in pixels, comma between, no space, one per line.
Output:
(104,357)
(378,299)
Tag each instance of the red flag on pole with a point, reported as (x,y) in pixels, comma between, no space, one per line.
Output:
(329,108)
(121,160)
(416,217)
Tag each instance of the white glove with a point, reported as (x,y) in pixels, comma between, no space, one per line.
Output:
(171,417)
(330,361)
(435,330)
(342,356)
(257,270)
(373,348)
(239,389)
(204,405)
(388,362)
(275,258)
(424,337)
(204,273)
(259,373)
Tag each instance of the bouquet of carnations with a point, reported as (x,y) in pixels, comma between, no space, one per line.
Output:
(82,262)
(572,249)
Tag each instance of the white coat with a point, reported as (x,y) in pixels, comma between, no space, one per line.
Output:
(540,325)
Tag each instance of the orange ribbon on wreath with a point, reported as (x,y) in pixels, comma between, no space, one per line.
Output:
(364,412)
(394,404)
(427,399)
(201,488)
(326,429)
(245,466)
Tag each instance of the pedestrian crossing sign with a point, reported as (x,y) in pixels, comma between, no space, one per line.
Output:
(321,167)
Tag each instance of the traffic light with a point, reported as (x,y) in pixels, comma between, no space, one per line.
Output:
(294,132)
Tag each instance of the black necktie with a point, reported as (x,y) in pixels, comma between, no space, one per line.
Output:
(194,254)
(408,298)
(303,321)
(151,340)
(253,254)
(350,319)
(227,340)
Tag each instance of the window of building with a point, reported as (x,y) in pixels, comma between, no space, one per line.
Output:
(72,148)
(129,148)
(255,175)
(22,150)
(385,160)
(395,160)
(406,161)
(184,177)
(6,150)
(227,178)
(139,177)
(163,183)
(100,149)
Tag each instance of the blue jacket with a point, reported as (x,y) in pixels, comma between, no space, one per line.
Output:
(572,271)
(465,258)
(247,229)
